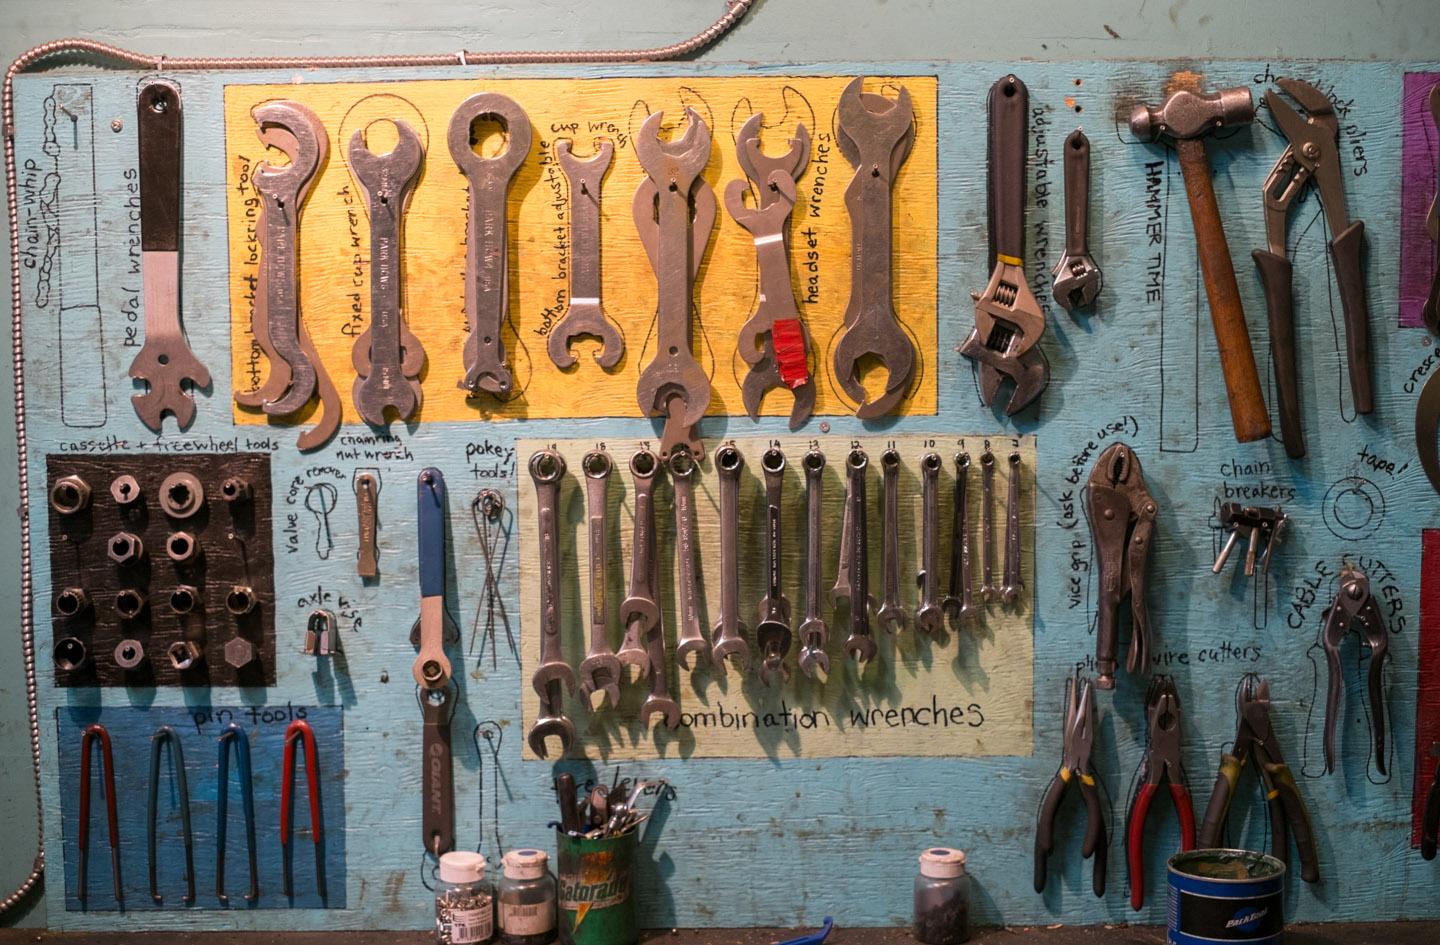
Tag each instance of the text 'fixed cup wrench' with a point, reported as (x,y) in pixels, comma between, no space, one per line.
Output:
(432,666)
(875,135)
(1311,153)
(960,601)
(487,236)
(547,469)
(683,471)
(600,671)
(813,631)
(773,341)
(1077,280)
(1186,117)
(674,211)
(727,637)
(1122,526)
(165,363)
(640,610)
(1011,584)
(585,315)
(387,356)
(1005,342)
(853,582)
(929,618)
(437,818)
(772,633)
(892,615)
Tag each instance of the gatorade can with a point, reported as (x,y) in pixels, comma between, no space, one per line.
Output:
(596,902)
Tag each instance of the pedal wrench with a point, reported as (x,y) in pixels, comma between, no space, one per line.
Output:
(959,604)
(1077,280)
(727,636)
(600,671)
(547,468)
(772,633)
(813,631)
(988,590)
(640,610)
(585,315)
(758,166)
(892,615)
(437,822)
(860,644)
(1012,586)
(692,637)
(929,617)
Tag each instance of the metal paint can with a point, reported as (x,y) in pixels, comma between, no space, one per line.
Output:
(596,903)
(1226,896)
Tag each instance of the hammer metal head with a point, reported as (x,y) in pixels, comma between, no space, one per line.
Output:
(1186,113)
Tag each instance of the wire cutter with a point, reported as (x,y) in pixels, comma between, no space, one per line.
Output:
(1122,526)
(1161,763)
(166,735)
(1255,739)
(1312,154)
(1079,736)
(92,734)
(1355,603)
(1430,822)
(234,733)
(297,731)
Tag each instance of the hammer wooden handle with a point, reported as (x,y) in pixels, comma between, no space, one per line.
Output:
(1237,359)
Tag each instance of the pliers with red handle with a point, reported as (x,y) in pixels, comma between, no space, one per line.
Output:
(294,733)
(1161,763)
(1079,736)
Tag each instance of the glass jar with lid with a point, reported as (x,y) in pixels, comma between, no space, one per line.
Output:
(942,898)
(464,901)
(526,898)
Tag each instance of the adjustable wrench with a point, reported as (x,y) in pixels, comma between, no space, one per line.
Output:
(1077,278)
(728,635)
(860,644)
(387,356)
(891,614)
(675,245)
(692,638)
(960,602)
(1013,586)
(640,610)
(165,361)
(585,316)
(813,631)
(988,590)
(600,670)
(772,633)
(929,617)
(487,246)
(547,468)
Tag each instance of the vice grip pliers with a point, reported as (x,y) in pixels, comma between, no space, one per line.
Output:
(1122,526)
(1355,603)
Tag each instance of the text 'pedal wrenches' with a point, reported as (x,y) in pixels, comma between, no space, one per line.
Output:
(1160,764)
(1122,526)
(1355,605)
(1078,737)
(547,470)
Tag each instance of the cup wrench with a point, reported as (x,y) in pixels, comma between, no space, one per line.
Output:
(929,618)
(813,631)
(960,602)
(641,610)
(988,590)
(675,244)
(387,356)
(692,637)
(860,644)
(892,615)
(547,468)
(1012,585)
(1077,280)
(165,361)
(727,637)
(601,669)
(1008,319)
(585,315)
(872,329)
(487,246)
(772,633)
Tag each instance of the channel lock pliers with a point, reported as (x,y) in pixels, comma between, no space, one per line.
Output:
(1312,154)
(1161,763)
(1122,526)
(1355,604)
(1079,736)
(1255,740)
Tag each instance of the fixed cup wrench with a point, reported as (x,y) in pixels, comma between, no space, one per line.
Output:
(1013,585)
(165,362)
(387,356)
(600,671)
(813,631)
(860,644)
(728,635)
(772,633)
(929,618)
(547,468)
(1077,280)
(487,246)
(960,602)
(988,590)
(585,315)
(891,614)
(692,637)
(641,609)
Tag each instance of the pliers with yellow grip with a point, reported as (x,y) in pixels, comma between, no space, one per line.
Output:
(1079,736)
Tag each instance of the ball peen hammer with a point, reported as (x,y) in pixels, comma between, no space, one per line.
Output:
(1187,116)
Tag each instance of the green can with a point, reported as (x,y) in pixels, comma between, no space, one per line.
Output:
(596,904)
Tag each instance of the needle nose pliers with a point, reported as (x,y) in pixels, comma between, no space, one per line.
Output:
(1160,764)
(1354,604)
(1079,737)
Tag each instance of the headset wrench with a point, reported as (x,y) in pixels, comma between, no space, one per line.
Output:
(813,631)
(675,245)
(641,610)
(988,590)
(960,602)
(1077,280)
(929,617)
(872,329)
(387,356)
(891,614)
(692,637)
(585,315)
(165,361)
(860,643)
(1008,318)
(600,670)
(547,468)
(728,635)
(1013,585)
(772,633)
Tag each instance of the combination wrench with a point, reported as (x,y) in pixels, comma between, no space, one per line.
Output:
(728,634)
(600,671)
(772,633)
(813,631)
(387,356)
(960,602)
(860,644)
(547,468)
(659,699)
(692,637)
(1077,280)
(929,618)
(1013,585)
(892,615)
(641,608)
(585,315)
(988,590)
(487,235)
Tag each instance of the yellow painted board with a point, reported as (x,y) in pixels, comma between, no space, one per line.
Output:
(335,236)
(965,692)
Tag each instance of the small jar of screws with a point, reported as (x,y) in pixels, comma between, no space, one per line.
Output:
(464,901)
(942,898)
(526,899)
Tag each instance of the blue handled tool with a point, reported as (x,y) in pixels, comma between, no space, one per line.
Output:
(432,667)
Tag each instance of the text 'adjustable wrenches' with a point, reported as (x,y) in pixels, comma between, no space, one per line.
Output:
(433,628)
(1260,526)
(298,732)
(600,671)
(585,316)
(959,602)
(165,364)
(772,633)
(165,735)
(1427,407)
(892,615)
(1005,342)
(674,212)
(487,236)
(773,341)
(1160,764)
(547,469)
(813,631)
(1078,734)
(640,610)
(929,618)
(437,817)
(852,583)
(296,372)
(727,636)
(234,734)
(1255,742)
(683,470)
(93,734)
(1122,526)
(1354,604)
(1012,584)
(387,356)
(875,135)
(1077,280)
(1312,153)
(1430,819)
